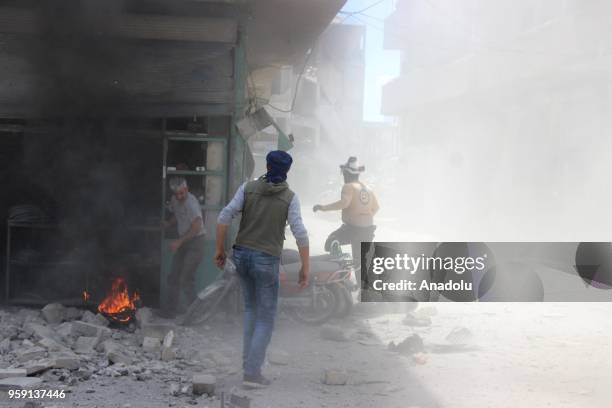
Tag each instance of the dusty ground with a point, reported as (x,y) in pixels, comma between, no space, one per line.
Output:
(531,355)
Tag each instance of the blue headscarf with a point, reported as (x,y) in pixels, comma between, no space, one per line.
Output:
(279,163)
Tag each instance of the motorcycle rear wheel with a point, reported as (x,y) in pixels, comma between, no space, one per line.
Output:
(319,313)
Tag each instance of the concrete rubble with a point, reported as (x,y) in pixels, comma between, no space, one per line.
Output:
(204,384)
(60,347)
(335,377)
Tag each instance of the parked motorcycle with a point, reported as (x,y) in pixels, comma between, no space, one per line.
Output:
(327,295)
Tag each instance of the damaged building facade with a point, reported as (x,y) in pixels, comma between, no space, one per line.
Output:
(101,102)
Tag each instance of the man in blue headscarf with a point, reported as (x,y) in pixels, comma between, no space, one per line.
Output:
(267,204)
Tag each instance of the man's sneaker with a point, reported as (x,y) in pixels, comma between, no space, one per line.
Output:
(255,381)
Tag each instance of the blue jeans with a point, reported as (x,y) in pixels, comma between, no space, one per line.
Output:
(259,279)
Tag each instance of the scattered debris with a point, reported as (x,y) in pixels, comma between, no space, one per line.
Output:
(278,357)
(158,331)
(151,344)
(410,345)
(12,372)
(204,384)
(460,335)
(335,377)
(54,313)
(333,333)
(19,383)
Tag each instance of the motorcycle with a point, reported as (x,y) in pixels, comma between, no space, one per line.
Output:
(327,295)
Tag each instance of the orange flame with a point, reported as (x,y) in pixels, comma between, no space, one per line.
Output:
(118,301)
(85,296)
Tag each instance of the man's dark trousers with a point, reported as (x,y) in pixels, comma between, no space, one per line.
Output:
(185,262)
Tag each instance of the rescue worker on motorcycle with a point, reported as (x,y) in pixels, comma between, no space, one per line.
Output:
(359,205)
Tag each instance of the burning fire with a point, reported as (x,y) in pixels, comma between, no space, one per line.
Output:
(85,296)
(118,305)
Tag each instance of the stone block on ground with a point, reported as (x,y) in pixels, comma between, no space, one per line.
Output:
(204,384)
(117,354)
(39,366)
(81,328)
(169,339)
(278,357)
(40,331)
(72,313)
(333,333)
(5,346)
(85,345)
(97,319)
(157,330)
(64,329)
(168,354)
(51,345)
(20,383)
(239,400)
(54,313)
(12,372)
(31,353)
(335,377)
(67,360)
(151,344)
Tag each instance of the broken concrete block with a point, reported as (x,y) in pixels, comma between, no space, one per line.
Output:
(39,331)
(460,335)
(169,339)
(204,384)
(12,372)
(39,366)
(32,353)
(333,333)
(117,354)
(175,389)
(19,383)
(335,377)
(158,330)
(72,313)
(278,357)
(85,345)
(168,354)
(5,346)
(67,360)
(54,313)
(51,344)
(150,344)
(143,316)
(64,329)
(81,328)
(239,401)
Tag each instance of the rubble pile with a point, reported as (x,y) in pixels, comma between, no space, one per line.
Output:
(63,347)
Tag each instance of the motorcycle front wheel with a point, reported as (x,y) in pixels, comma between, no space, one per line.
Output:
(207,302)
(321,308)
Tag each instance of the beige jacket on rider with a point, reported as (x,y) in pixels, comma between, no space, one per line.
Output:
(358,204)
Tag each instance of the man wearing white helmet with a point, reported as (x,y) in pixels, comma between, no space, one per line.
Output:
(359,205)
